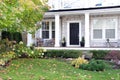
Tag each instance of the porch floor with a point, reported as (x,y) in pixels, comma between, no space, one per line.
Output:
(76,48)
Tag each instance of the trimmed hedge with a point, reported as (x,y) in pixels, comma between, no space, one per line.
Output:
(63,53)
(99,54)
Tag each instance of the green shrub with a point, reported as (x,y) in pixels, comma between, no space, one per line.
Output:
(99,54)
(78,62)
(5,57)
(23,51)
(6,45)
(63,53)
(95,65)
(9,55)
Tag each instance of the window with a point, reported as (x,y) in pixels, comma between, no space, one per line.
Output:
(48,29)
(97,29)
(97,33)
(45,30)
(110,33)
(104,28)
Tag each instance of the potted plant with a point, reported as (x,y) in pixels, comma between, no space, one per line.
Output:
(64,42)
(82,42)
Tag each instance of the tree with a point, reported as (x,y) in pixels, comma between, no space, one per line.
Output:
(21,15)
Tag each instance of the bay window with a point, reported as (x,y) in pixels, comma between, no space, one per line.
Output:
(104,28)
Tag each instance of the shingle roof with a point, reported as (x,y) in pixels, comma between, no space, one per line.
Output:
(80,9)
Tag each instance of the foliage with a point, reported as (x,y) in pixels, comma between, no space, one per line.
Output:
(95,65)
(6,45)
(23,51)
(83,39)
(78,62)
(63,53)
(20,15)
(12,36)
(113,55)
(99,54)
(63,40)
(2,62)
(8,55)
(5,57)
(9,51)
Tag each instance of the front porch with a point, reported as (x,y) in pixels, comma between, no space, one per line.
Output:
(99,26)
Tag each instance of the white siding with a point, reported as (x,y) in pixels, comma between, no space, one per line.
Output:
(93,43)
(66,19)
(67,4)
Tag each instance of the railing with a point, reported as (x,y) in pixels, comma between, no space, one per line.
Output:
(45,43)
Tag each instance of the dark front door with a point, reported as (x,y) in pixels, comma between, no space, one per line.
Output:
(74,33)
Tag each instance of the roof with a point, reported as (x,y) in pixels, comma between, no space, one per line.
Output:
(80,9)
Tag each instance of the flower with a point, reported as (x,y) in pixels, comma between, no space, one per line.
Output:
(20,42)
(2,62)
(32,52)
(44,50)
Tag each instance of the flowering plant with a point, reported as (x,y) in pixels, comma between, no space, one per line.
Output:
(79,61)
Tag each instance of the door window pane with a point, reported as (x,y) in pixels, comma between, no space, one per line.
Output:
(97,33)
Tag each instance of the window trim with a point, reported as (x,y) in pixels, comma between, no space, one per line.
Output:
(103,28)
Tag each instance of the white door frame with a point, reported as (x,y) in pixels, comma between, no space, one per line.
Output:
(68,32)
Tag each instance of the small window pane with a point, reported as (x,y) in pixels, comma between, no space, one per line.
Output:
(53,25)
(45,25)
(110,33)
(110,23)
(98,23)
(97,33)
(45,34)
(53,29)
(53,34)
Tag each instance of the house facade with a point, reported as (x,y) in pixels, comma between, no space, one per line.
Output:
(100,27)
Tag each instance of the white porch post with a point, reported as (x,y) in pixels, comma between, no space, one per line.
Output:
(87,30)
(57,30)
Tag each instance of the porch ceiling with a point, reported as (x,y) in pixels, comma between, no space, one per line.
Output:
(92,11)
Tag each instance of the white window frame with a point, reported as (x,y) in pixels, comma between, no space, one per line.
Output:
(103,28)
(50,29)
(46,30)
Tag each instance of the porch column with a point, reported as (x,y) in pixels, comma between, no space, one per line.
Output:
(57,30)
(87,30)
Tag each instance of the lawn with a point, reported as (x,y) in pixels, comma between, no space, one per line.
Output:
(52,69)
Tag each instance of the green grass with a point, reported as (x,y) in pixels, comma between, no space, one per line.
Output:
(52,69)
